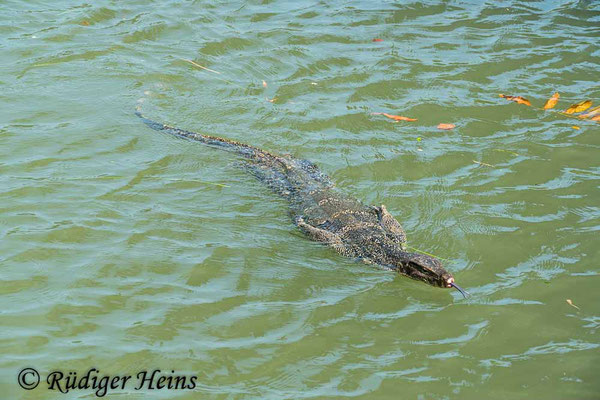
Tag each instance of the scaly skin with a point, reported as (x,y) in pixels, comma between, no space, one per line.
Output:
(326,215)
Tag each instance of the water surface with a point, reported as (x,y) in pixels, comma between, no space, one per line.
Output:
(123,249)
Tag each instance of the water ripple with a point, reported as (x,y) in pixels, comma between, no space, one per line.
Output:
(126,249)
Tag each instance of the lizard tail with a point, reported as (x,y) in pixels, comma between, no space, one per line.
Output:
(213,141)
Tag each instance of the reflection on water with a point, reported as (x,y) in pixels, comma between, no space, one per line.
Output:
(123,249)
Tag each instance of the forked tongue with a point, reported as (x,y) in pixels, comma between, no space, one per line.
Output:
(463,292)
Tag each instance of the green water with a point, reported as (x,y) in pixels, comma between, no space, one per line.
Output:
(126,250)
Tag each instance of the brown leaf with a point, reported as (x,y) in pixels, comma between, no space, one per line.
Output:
(517,99)
(579,107)
(552,101)
(85,23)
(591,113)
(446,126)
(395,117)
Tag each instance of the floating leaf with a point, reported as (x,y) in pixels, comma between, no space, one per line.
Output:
(264,84)
(552,101)
(591,113)
(576,127)
(596,118)
(446,126)
(570,302)
(273,100)
(579,107)
(395,117)
(517,99)
(378,40)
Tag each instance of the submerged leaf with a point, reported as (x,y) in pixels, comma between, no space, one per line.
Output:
(591,113)
(579,107)
(264,84)
(446,126)
(552,101)
(516,99)
(195,64)
(509,152)
(395,117)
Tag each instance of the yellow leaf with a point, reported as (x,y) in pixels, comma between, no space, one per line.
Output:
(594,111)
(576,127)
(552,101)
(579,107)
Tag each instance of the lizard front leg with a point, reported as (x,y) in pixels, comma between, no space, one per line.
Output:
(321,235)
(391,225)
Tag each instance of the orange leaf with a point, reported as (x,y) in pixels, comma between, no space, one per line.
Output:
(596,118)
(579,107)
(517,99)
(552,101)
(591,113)
(446,126)
(576,127)
(264,84)
(378,40)
(395,117)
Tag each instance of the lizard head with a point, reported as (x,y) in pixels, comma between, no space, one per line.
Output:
(424,268)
